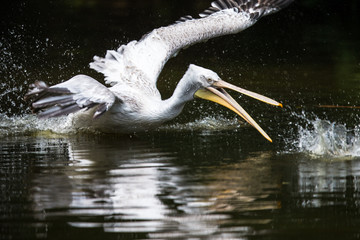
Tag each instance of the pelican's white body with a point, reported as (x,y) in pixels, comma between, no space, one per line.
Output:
(131,115)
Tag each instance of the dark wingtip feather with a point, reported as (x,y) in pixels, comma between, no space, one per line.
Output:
(56,111)
(256,8)
(36,88)
(49,101)
(184,19)
(69,97)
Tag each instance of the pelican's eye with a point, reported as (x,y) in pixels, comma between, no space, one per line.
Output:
(210,81)
(207,80)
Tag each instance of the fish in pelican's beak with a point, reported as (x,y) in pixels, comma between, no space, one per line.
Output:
(216,93)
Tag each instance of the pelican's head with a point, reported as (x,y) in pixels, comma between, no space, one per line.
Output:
(211,87)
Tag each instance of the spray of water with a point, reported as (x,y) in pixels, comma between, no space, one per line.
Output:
(320,137)
(205,123)
(30,124)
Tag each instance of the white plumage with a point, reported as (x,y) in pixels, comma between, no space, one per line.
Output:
(133,102)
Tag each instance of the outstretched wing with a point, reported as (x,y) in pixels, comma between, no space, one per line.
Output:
(80,92)
(150,54)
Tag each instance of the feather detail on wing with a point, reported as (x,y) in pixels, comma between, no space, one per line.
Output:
(80,92)
(150,54)
(256,8)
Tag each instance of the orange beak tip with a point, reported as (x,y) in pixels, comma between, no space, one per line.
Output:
(281,105)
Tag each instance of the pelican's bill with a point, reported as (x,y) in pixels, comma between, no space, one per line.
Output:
(223,84)
(220,96)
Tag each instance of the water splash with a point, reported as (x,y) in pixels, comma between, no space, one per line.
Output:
(26,56)
(30,124)
(320,137)
(313,135)
(205,123)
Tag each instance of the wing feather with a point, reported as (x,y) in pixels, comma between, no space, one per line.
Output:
(80,92)
(150,54)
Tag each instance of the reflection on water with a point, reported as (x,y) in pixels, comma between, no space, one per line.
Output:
(147,187)
(325,183)
(119,184)
(119,188)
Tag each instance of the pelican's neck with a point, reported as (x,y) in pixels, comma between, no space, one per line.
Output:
(183,93)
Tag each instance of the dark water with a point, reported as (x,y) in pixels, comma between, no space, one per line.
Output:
(204,175)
